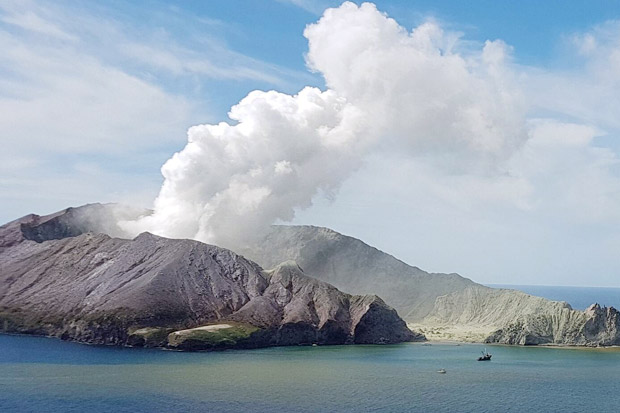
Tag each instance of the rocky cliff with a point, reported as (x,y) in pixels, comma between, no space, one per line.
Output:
(596,326)
(442,306)
(97,218)
(161,292)
(354,266)
(475,312)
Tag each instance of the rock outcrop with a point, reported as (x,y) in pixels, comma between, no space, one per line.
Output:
(596,326)
(93,288)
(70,222)
(475,312)
(335,317)
(352,265)
(442,306)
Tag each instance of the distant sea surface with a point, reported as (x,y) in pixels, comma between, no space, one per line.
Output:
(49,375)
(579,298)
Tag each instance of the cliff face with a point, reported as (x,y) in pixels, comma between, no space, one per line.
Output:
(98,289)
(475,312)
(70,222)
(444,306)
(183,285)
(596,326)
(354,266)
(293,299)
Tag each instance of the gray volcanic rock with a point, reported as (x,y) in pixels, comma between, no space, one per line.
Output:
(602,325)
(596,326)
(70,222)
(487,309)
(454,306)
(334,317)
(450,306)
(352,265)
(152,277)
(98,289)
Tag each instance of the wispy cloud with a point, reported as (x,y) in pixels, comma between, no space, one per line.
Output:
(312,6)
(589,90)
(90,81)
(476,156)
(32,22)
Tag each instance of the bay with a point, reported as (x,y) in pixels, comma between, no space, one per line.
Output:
(43,374)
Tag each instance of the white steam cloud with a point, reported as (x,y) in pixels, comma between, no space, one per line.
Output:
(389,90)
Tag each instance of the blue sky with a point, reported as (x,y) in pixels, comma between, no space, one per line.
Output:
(96,96)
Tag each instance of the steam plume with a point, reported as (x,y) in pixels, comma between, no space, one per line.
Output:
(388,90)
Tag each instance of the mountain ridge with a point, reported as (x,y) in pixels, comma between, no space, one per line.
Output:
(98,289)
(339,259)
(443,306)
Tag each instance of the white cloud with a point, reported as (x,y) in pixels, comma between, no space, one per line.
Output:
(450,165)
(231,181)
(74,103)
(552,218)
(470,162)
(83,82)
(44,187)
(388,90)
(575,182)
(32,22)
(312,6)
(417,85)
(588,91)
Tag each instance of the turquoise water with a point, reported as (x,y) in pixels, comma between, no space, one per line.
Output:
(39,374)
(579,298)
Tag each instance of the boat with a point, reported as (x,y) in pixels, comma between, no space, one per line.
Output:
(485,356)
(441,371)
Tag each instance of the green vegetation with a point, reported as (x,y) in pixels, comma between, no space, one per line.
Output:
(236,335)
(149,336)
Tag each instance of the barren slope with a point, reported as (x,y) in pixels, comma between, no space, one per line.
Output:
(352,265)
(95,288)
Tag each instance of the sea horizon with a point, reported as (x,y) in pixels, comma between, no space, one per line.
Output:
(579,298)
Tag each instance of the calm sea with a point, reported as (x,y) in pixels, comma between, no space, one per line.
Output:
(579,298)
(48,375)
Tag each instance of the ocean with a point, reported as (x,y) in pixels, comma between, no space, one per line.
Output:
(49,375)
(579,298)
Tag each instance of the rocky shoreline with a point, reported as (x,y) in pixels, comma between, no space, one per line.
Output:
(63,275)
(92,288)
(595,327)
